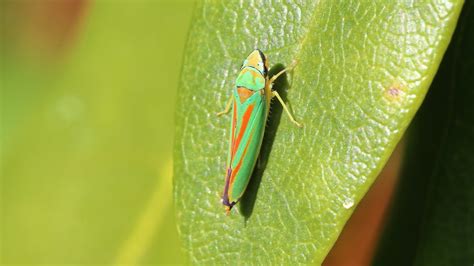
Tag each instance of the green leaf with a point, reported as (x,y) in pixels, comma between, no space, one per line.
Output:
(432,218)
(363,71)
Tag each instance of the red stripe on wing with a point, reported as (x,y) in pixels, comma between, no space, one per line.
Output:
(236,143)
(236,170)
(245,121)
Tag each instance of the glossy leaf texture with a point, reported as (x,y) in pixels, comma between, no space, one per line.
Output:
(363,71)
(431,221)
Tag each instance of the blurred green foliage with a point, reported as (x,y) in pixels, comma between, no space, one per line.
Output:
(87,132)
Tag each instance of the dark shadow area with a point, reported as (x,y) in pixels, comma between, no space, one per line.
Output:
(281,85)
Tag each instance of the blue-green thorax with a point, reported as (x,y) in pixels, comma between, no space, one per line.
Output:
(251,79)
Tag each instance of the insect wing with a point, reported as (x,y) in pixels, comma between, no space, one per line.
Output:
(247,128)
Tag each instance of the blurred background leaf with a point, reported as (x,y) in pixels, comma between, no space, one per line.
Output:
(87,123)
(363,71)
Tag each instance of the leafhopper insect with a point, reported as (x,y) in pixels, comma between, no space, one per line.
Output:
(250,104)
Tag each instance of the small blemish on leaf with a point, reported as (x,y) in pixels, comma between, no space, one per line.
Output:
(395,93)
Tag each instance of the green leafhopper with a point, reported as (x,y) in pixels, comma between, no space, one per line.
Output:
(250,104)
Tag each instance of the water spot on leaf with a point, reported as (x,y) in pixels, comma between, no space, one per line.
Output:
(348,203)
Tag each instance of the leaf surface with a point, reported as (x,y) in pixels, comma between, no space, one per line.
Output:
(363,70)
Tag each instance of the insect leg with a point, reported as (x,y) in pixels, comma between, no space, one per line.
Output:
(290,67)
(227,107)
(275,94)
